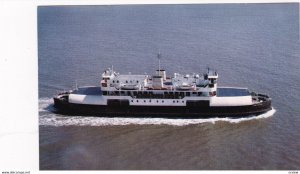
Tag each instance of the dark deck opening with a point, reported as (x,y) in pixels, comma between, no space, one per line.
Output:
(227,92)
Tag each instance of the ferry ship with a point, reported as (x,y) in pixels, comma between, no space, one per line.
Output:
(181,96)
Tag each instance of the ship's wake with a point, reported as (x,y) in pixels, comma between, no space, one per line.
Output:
(47,117)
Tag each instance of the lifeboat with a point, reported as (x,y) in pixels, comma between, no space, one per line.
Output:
(129,87)
(185,87)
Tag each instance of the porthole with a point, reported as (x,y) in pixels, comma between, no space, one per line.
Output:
(157,101)
(131,100)
(137,101)
(177,101)
(163,101)
(182,101)
(144,101)
(173,101)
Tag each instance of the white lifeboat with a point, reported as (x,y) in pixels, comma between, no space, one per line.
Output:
(185,87)
(129,87)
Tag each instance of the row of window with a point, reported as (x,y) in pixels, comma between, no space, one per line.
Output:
(148,94)
(157,101)
(117,81)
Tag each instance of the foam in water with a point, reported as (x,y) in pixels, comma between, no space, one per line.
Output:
(45,104)
(48,118)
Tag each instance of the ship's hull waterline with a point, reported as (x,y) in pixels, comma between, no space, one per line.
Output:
(123,110)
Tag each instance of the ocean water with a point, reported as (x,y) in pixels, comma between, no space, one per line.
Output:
(250,45)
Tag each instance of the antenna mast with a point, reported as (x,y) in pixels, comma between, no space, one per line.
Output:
(158,56)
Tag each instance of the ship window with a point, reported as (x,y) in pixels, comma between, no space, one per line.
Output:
(126,81)
(144,101)
(177,101)
(182,101)
(150,101)
(113,81)
(188,94)
(131,100)
(157,101)
(194,92)
(137,101)
(163,101)
(117,81)
(137,81)
(173,101)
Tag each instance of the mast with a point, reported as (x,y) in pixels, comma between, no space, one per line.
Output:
(158,57)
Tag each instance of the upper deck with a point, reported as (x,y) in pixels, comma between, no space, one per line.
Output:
(113,82)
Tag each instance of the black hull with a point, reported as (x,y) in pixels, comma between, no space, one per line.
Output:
(63,107)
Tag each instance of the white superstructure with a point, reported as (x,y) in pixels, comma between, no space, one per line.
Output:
(161,90)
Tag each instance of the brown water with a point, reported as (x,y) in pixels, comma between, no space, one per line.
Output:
(246,145)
